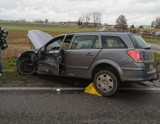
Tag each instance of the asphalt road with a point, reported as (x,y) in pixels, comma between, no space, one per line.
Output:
(46,107)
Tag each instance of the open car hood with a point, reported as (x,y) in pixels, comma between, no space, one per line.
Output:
(38,38)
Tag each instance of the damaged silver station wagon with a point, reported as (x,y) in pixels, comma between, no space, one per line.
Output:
(107,58)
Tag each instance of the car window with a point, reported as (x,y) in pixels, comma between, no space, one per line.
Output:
(85,42)
(138,41)
(55,43)
(96,43)
(112,42)
(67,42)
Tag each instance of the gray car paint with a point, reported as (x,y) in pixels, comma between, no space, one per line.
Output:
(81,62)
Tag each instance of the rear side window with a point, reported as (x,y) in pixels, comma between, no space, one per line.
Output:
(85,42)
(138,42)
(112,42)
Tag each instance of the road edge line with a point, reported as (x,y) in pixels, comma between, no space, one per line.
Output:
(72,89)
(43,88)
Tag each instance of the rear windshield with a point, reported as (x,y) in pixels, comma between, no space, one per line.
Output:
(138,41)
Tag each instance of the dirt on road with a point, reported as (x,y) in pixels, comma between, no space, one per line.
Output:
(10,79)
(17,80)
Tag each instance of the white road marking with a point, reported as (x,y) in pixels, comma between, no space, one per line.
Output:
(71,89)
(43,88)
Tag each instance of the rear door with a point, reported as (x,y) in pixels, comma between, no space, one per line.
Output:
(81,54)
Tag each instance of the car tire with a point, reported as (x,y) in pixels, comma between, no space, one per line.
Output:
(106,83)
(26,66)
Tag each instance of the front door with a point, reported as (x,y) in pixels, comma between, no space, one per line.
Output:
(50,57)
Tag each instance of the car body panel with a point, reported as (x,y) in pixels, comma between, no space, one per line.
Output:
(38,38)
(103,61)
(48,62)
(82,62)
(77,62)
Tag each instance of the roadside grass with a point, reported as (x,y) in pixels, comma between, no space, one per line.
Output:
(9,69)
(9,64)
(156,56)
(152,39)
(157,60)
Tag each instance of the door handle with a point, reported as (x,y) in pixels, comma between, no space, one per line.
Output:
(89,54)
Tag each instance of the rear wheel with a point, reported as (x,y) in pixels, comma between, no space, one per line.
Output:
(106,83)
(26,66)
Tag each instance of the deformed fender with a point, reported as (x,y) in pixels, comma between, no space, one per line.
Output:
(105,61)
(26,54)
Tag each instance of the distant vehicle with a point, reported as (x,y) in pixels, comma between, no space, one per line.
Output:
(107,58)
(157,34)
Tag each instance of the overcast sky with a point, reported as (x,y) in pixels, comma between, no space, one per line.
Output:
(136,11)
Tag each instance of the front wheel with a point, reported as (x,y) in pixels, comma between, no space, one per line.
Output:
(106,83)
(26,66)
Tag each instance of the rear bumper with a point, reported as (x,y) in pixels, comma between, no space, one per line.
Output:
(138,75)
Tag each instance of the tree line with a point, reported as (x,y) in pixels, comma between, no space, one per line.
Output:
(90,18)
(121,22)
(156,23)
(95,20)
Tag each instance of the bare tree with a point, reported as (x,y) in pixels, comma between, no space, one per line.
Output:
(87,18)
(156,23)
(121,23)
(80,21)
(96,16)
(90,17)
(153,24)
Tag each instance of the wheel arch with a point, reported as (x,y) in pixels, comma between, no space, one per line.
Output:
(27,54)
(108,65)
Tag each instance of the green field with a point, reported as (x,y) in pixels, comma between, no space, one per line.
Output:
(44,27)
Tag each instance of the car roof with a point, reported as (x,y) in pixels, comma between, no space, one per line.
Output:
(98,33)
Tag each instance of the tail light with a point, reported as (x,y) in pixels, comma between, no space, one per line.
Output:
(136,55)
